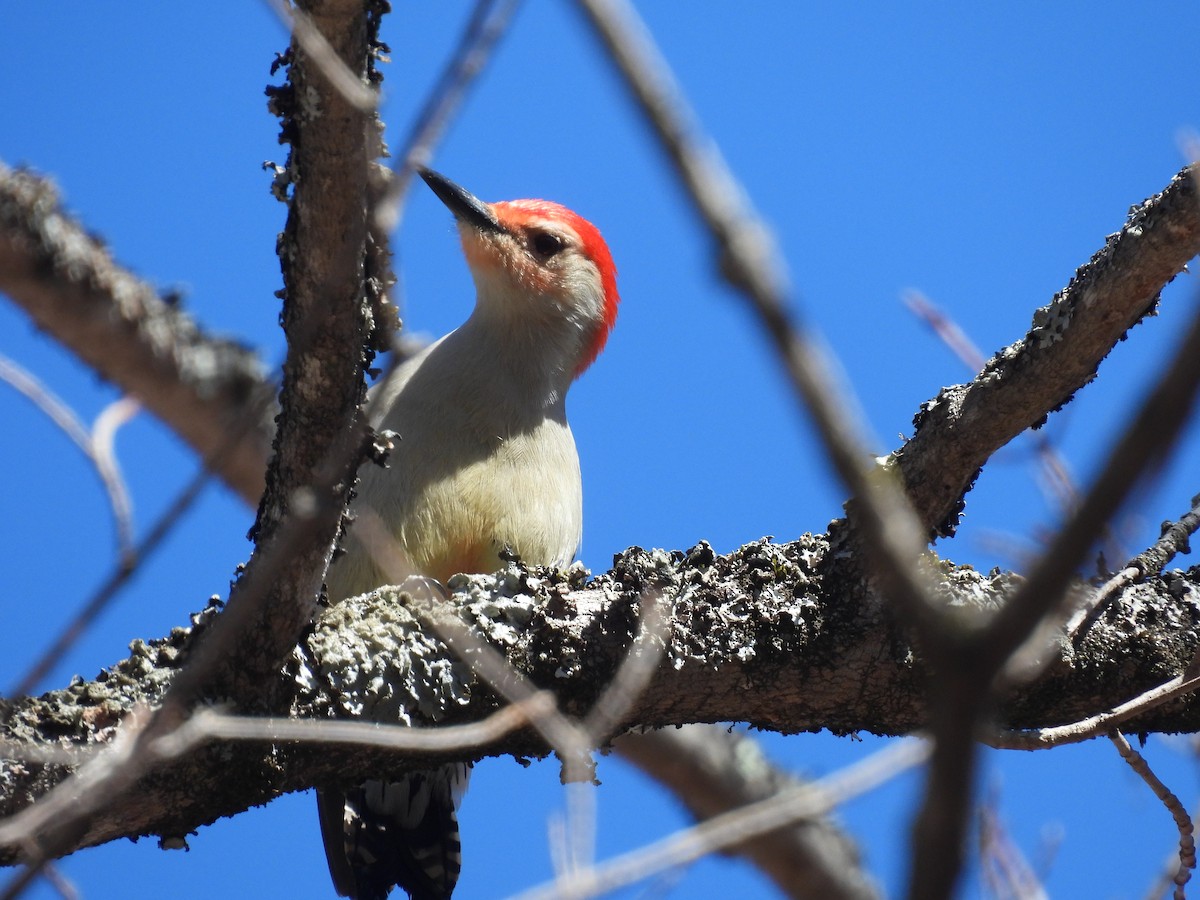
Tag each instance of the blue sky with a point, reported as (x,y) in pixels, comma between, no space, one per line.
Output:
(978,155)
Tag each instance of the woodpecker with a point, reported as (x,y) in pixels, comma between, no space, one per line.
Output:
(485,463)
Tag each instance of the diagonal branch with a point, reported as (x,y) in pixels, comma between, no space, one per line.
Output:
(712,771)
(488,23)
(959,429)
(209,391)
(1147,441)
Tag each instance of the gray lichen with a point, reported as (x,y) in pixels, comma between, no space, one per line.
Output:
(369,657)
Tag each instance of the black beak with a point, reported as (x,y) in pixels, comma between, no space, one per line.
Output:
(465,205)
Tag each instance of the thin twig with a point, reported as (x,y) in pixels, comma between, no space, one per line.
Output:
(1187,843)
(44,753)
(208,725)
(714,770)
(605,718)
(487,24)
(1173,540)
(1005,868)
(750,262)
(892,535)
(60,882)
(96,446)
(803,801)
(637,668)
(947,330)
(1094,726)
(1166,878)
(140,554)
(104,433)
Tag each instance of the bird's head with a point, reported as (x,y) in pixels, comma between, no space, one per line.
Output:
(536,265)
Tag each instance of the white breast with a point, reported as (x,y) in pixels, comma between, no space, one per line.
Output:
(495,466)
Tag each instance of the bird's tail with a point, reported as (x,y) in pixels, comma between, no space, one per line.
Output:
(403,833)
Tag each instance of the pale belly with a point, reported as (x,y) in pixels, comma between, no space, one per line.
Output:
(456,511)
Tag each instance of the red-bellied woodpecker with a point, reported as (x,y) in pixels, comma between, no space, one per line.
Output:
(485,461)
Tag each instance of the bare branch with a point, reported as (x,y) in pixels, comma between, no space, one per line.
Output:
(96,445)
(962,688)
(959,430)
(1005,868)
(1151,561)
(347,83)
(1054,467)
(713,771)
(487,25)
(206,390)
(328,324)
(946,329)
(804,801)
(1147,441)
(104,433)
(750,262)
(762,617)
(1174,540)
(60,882)
(208,725)
(1102,723)
(1187,843)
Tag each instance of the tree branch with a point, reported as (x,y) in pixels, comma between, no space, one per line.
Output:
(816,653)
(713,771)
(328,317)
(331,308)
(211,392)
(959,429)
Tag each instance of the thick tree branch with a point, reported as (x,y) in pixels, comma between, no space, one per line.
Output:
(817,654)
(329,318)
(330,307)
(211,392)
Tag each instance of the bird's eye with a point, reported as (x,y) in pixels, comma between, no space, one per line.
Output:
(546,244)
